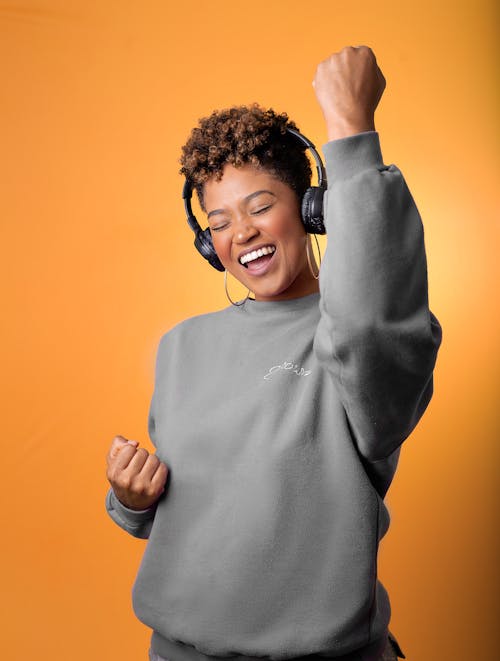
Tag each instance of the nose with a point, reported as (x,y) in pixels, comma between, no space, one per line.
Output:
(244,230)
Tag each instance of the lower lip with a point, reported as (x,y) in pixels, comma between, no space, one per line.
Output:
(261,269)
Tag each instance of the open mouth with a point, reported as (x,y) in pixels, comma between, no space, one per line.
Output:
(257,259)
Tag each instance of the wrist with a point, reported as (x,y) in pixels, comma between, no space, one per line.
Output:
(338,128)
(138,505)
(135,508)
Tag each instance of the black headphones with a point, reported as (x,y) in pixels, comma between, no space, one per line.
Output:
(311,209)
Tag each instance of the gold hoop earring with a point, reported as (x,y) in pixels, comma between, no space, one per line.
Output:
(309,259)
(229,297)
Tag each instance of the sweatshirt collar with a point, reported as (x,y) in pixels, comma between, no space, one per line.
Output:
(256,308)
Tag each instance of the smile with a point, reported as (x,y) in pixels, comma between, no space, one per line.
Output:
(256,254)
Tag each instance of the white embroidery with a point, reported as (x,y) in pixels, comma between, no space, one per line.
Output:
(295,369)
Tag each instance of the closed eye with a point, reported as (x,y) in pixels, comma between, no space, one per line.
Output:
(219,227)
(261,210)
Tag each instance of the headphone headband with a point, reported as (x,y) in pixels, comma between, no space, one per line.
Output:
(320,168)
(311,208)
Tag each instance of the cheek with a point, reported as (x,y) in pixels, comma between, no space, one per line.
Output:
(293,236)
(222,247)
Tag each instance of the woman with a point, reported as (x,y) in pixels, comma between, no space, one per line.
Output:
(278,422)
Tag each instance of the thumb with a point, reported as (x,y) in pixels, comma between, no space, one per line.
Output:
(119,442)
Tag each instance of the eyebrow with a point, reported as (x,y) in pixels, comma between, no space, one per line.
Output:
(246,199)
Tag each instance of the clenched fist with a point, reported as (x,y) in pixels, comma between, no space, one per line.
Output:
(349,86)
(137,477)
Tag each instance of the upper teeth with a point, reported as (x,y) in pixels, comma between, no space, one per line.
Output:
(250,256)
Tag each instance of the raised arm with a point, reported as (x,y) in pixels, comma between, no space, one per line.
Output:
(377,336)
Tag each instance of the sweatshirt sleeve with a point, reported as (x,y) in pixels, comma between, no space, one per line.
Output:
(376,335)
(136,522)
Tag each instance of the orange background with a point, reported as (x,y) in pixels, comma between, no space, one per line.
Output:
(97,263)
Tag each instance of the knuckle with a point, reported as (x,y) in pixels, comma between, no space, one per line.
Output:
(112,473)
(124,481)
(150,491)
(138,485)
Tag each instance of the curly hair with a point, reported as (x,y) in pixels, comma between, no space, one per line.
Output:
(244,135)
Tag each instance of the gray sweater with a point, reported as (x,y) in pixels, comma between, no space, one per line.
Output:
(281,423)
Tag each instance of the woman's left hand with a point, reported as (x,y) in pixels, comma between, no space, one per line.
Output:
(349,86)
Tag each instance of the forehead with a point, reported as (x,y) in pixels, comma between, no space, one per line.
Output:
(239,182)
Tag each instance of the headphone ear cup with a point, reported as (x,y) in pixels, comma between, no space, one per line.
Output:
(204,245)
(312,210)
